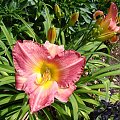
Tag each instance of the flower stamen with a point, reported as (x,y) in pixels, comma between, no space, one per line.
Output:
(43,77)
(46,75)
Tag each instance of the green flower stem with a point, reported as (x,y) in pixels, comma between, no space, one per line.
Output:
(94,51)
(86,36)
(61,30)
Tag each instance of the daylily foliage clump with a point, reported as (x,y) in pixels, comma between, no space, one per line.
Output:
(59,59)
(46,72)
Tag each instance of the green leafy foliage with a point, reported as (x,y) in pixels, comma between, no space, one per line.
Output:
(31,19)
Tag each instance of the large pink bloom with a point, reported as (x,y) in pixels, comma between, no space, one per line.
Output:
(108,25)
(46,72)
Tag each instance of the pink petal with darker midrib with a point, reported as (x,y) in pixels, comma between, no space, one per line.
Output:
(26,54)
(112,13)
(64,93)
(42,97)
(71,67)
(20,80)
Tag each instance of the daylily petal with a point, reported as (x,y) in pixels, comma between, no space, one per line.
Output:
(117,29)
(114,39)
(105,25)
(113,27)
(43,96)
(20,80)
(71,67)
(64,93)
(98,13)
(53,49)
(26,55)
(30,85)
(112,13)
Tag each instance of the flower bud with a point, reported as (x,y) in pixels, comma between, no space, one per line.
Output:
(73,19)
(51,35)
(106,36)
(57,11)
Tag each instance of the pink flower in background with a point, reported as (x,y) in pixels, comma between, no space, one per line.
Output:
(46,72)
(108,23)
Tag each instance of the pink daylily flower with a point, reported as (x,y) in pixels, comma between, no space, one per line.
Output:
(46,72)
(108,23)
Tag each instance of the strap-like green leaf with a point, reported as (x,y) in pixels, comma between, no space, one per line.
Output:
(6,68)
(47,113)
(12,98)
(8,36)
(74,106)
